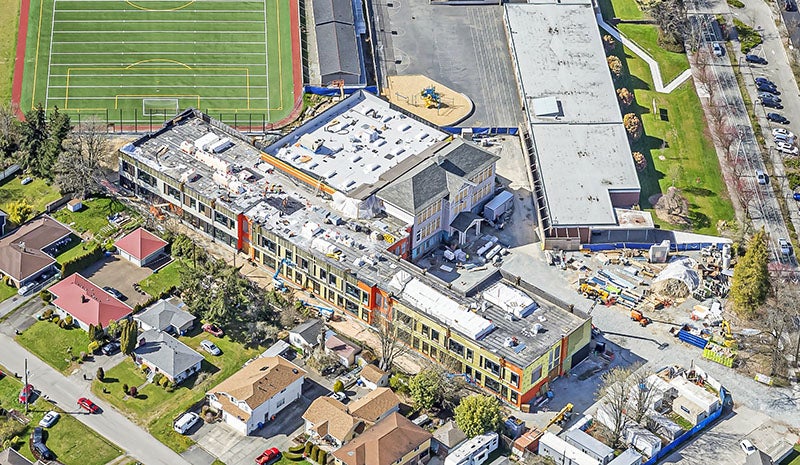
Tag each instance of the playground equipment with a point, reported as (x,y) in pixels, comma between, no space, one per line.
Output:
(431,98)
(277,282)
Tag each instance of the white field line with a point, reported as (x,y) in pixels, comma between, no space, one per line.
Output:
(266,59)
(49,54)
(121,66)
(111,97)
(128,31)
(146,86)
(150,13)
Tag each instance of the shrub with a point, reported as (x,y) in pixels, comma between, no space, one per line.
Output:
(47,314)
(315,454)
(736,3)
(298,449)
(633,125)
(101,374)
(68,320)
(46,296)
(293,457)
(640,161)
(307,449)
(748,37)
(62,324)
(625,97)
(125,388)
(615,65)
(80,262)
(157,378)
(93,347)
(56,319)
(169,387)
(323,457)
(133,391)
(164,382)
(6,280)
(338,386)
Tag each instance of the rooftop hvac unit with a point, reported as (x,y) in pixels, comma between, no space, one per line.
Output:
(536,328)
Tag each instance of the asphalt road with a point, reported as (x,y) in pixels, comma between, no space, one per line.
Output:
(65,392)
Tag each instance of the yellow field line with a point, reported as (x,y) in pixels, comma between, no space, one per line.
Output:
(150,9)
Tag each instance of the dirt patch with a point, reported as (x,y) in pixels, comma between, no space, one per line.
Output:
(672,207)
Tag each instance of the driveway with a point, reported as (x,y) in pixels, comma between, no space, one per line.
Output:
(229,446)
(116,272)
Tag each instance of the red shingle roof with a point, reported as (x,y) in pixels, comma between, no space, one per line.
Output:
(87,302)
(140,244)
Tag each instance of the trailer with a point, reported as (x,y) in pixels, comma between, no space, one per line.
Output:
(499,205)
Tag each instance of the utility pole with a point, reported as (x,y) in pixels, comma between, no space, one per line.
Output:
(24,388)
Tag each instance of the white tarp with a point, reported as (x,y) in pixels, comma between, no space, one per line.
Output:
(510,299)
(354,208)
(323,246)
(684,270)
(443,308)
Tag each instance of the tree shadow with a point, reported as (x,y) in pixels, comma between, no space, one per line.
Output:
(698,220)
(109,380)
(699,191)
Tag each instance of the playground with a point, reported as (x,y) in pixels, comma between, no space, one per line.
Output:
(137,61)
(428,99)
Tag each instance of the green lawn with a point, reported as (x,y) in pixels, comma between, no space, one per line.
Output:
(622,9)
(7,291)
(92,217)
(76,249)
(71,441)
(681,140)
(671,64)
(49,342)
(226,58)
(38,193)
(155,408)
(162,280)
(794,457)
(9,20)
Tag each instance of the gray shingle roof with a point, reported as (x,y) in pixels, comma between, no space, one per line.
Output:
(308,330)
(164,314)
(338,49)
(12,457)
(166,353)
(446,172)
(326,11)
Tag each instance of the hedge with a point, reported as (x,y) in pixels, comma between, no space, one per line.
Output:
(298,449)
(307,448)
(293,457)
(76,264)
(323,457)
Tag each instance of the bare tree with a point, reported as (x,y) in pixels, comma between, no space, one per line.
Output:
(644,391)
(615,395)
(673,24)
(393,340)
(79,168)
(9,134)
(779,319)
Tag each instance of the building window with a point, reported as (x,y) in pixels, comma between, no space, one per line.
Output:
(491,366)
(280,402)
(425,331)
(303,263)
(456,347)
(470,354)
(332,279)
(352,291)
(515,379)
(555,358)
(537,373)
(271,246)
(350,306)
(434,335)
(514,397)
(289,255)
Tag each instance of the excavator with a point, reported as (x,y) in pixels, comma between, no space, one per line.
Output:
(727,335)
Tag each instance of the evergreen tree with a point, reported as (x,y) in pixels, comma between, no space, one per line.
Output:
(127,338)
(34,137)
(750,284)
(92,332)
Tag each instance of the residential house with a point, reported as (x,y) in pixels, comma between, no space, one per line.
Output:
(86,302)
(392,441)
(375,405)
(327,419)
(373,377)
(28,253)
(446,438)
(140,247)
(343,350)
(164,354)
(12,457)
(256,393)
(758,458)
(166,315)
(305,336)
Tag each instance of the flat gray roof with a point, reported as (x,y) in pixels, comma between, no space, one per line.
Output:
(581,149)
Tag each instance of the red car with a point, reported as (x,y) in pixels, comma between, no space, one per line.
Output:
(213,329)
(268,456)
(87,404)
(25,394)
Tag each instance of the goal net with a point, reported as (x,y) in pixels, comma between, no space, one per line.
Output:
(159,106)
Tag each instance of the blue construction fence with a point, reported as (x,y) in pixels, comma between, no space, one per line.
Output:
(647,245)
(482,131)
(680,440)
(332,92)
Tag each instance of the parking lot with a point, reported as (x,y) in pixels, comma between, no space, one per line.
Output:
(463,47)
(229,446)
(116,272)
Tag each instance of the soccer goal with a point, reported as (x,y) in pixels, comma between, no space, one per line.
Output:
(158,106)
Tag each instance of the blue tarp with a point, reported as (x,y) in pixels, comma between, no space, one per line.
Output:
(646,245)
(327,91)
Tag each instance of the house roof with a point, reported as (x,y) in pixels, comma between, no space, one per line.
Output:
(140,244)
(87,302)
(372,373)
(338,51)
(449,434)
(330,417)
(374,404)
(383,444)
(259,380)
(326,11)
(12,457)
(168,354)
(444,174)
(341,347)
(20,253)
(308,330)
(164,314)
(758,458)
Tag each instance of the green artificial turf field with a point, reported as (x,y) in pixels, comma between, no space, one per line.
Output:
(131,61)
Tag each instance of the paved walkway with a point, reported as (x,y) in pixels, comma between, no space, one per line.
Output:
(65,391)
(658,82)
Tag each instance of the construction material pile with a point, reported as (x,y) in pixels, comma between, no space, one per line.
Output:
(678,280)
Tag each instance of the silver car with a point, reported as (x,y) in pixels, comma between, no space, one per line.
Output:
(210,347)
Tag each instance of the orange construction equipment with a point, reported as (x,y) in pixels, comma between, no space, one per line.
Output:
(637,315)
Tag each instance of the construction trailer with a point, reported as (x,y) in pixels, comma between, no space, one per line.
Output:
(475,451)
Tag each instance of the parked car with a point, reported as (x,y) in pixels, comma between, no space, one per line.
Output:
(763,80)
(762,177)
(268,456)
(38,435)
(185,422)
(777,118)
(786,148)
(26,289)
(747,446)
(718,50)
(782,132)
(340,396)
(119,295)
(786,247)
(768,88)
(111,348)
(750,58)
(43,451)
(27,180)
(213,329)
(25,394)
(49,419)
(769,95)
(796,196)
(87,404)
(782,138)
(210,347)
(769,103)
(789,5)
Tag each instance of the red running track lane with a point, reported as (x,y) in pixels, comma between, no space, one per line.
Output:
(19,63)
(297,67)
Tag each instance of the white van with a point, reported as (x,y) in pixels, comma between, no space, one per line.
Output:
(185,422)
